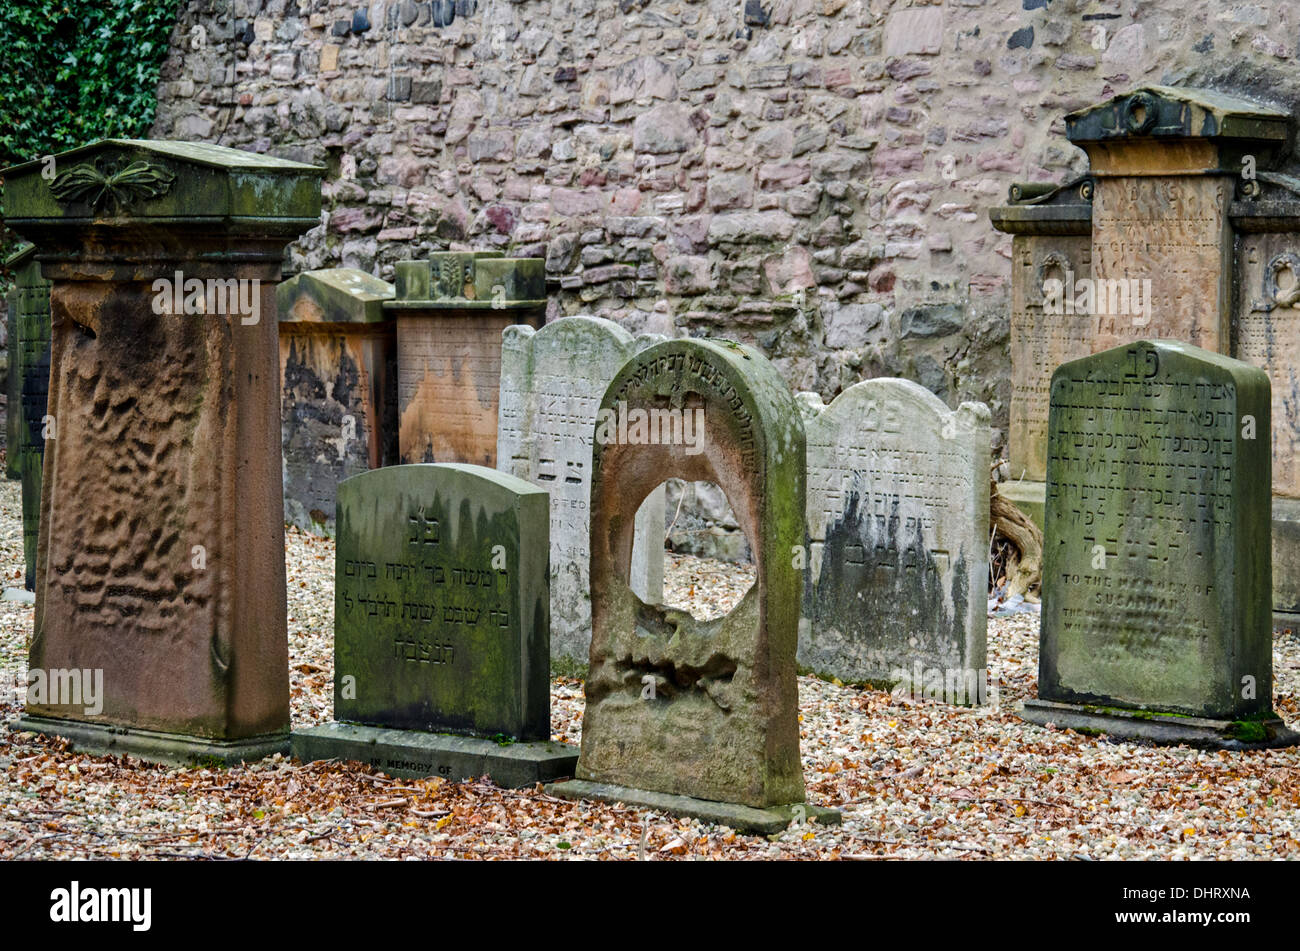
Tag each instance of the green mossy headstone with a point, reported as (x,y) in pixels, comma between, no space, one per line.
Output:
(442,608)
(1156,575)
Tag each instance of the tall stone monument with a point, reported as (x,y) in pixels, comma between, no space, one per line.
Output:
(898,540)
(1156,574)
(451,309)
(160,568)
(1192,234)
(338,367)
(695,717)
(1052,242)
(441,620)
(552,382)
(28,316)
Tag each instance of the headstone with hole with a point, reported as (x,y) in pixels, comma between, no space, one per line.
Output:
(1156,568)
(28,386)
(338,364)
(697,718)
(898,540)
(451,309)
(441,622)
(552,381)
(160,565)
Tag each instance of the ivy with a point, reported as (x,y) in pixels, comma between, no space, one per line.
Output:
(76,71)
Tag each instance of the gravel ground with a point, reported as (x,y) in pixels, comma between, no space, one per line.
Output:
(915,779)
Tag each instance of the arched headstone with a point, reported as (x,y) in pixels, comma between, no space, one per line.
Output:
(697,717)
(898,516)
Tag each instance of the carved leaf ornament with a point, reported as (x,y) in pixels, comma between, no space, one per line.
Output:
(109,186)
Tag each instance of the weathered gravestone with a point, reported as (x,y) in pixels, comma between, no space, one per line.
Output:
(1156,620)
(160,568)
(28,317)
(441,661)
(338,366)
(552,382)
(451,309)
(898,528)
(697,717)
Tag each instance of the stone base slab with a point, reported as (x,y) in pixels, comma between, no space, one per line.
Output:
(171,749)
(747,819)
(1029,497)
(1136,725)
(414,754)
(1286,561)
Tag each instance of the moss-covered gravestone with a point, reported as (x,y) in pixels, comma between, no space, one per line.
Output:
(28,384)
(552,382)
(898,529)
(451,309)
(697,717)
(338,365)
(1156,575)
(160,566)
(441,627)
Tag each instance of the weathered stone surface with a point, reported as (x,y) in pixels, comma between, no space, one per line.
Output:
(676,705)
(338,369)
(742,818)
(1165,161)
(162,563)
(1156,575)
(1266,324)
(898,511)
(1251,734)
(552,382)
(409,753)
(451,310)
(28,382)
(441,605)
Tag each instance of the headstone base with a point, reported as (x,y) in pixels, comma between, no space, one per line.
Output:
(170,749)
(413,754)
(746,819)
(1029,497)
(1163,729)
(1286,562)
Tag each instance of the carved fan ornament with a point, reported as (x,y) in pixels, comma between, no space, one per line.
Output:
(110,185)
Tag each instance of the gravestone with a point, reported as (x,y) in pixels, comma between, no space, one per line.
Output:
(1156,573)
(28,315)
(160,567)
(338,366)
(896,588)
(552,381)
(441,621)
(697,718)
(451,309)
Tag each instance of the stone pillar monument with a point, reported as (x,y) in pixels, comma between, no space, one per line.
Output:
(160,590)
(1194,236)
(338,366)
(28,383)
(451,310)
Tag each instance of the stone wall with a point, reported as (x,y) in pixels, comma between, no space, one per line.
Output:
(811,176)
